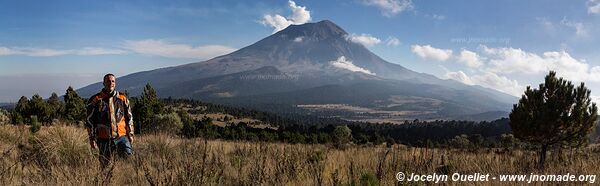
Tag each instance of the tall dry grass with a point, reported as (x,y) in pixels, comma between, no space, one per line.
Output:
(60,155)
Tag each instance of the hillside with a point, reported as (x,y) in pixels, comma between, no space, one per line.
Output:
(300,62)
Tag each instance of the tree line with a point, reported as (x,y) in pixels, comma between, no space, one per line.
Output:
(298,128)
(152,114)
(71,109)
(415,133)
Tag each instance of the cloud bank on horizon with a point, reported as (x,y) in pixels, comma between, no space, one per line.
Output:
(173,50)
(152,47)
(492,67)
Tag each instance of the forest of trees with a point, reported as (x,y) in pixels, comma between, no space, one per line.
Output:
(152,114)
(298,129)
(71,109)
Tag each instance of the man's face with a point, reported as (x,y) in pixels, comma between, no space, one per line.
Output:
(110,83)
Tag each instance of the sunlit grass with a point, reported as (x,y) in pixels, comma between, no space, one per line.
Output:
(60,155)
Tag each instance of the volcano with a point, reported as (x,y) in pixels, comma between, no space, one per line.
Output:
(315,68)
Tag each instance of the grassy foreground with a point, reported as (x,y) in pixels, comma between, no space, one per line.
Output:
(60,155)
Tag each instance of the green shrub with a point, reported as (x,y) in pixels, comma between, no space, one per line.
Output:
(508,140)
(35,124)
(460,142)
(168,123)
(342,135)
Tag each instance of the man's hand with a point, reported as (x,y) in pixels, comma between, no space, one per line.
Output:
(130,138)
(93,144)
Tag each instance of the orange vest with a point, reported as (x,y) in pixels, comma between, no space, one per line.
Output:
(109,116)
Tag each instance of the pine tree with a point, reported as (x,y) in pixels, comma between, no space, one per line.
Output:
(16,118)
(39,107)
(57,107)
(188,128)
(555,114)
(342,135)
(145,109)
(21,110)
(74,106)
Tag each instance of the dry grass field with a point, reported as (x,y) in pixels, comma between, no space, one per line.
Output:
(60,155)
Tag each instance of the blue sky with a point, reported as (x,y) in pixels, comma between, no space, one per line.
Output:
(46,46)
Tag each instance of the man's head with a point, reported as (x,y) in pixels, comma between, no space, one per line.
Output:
(109,82)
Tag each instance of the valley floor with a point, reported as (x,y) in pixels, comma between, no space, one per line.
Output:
(61,156)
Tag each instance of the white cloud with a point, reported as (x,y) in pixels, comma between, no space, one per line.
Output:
(392,41)
(489,80)
(511,61)
(565,65)
(580,29)
(47,52)
(149,47)
(364,39)
(99,51)
(495,67)
(278,22)
(469,58)
(501,83)
(165,49)
(593,7)
(299,39)
(299,13)
(42,52)
(459,76)
(435,17)
(342,63)
(438,17)
(428,52)
(390,8)
(299,16)
(4,51)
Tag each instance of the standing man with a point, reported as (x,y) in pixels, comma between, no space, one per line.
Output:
(109,122)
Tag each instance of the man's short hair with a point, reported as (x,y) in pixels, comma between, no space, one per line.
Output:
(107,75)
